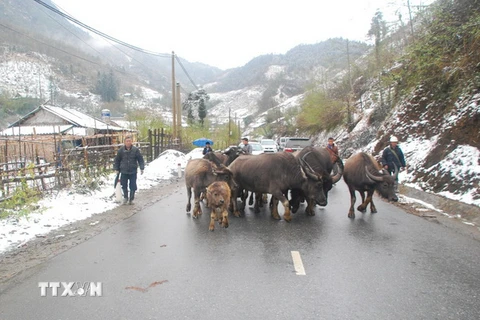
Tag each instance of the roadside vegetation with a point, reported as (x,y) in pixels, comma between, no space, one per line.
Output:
(439,51)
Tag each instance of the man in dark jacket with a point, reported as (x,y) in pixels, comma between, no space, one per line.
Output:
(207,148)
(393,159)
(126,162)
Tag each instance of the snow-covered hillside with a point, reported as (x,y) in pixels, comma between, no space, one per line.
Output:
(240,104)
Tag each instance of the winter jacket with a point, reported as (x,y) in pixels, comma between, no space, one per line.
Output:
(247,149)
(126,160)
(393,156)
(207,150)
(333,150)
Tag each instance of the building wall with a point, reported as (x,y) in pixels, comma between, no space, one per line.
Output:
(43,117)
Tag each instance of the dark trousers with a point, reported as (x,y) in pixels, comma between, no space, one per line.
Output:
(128,181)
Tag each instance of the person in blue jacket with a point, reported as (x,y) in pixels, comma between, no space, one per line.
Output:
(127,161)
(393,159)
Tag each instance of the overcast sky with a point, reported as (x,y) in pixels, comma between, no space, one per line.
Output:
(228,34)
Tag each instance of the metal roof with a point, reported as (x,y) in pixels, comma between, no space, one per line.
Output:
(76,118)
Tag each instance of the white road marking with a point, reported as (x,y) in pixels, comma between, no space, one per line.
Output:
(298,264)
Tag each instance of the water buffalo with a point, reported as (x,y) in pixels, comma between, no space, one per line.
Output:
(225,157)
(319,161)
(364,174)
(218,199)
(199,173)
(275,173)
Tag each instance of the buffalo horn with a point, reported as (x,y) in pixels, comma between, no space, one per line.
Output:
(308,170)
(373,177)
(337,176)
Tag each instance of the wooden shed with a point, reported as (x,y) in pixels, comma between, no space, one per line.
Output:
(49,130)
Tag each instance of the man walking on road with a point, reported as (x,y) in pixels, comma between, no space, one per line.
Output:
(127,160)
(333,150)
(393,159)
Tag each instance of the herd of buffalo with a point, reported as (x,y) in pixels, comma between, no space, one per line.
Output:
(306,175)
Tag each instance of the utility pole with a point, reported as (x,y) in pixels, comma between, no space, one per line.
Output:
(235,121)
(349,114)
(178,105)
(174,109)
(229,125)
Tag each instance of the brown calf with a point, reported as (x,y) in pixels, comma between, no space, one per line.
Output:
(218,200)
(199,173)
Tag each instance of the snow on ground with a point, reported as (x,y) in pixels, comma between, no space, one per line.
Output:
(462,162)
(61,209)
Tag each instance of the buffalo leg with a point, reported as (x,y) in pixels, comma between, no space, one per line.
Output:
(250,199)
(363,206)
(373,209)
(196,208)
(213,217)
(295,200)
(258,200)
(351,212)
(189,196)
(286,205)
(310,209)
(274,211)
(225,218)
(233,202)
(244,198)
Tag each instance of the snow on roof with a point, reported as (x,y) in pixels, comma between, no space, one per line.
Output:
(40,130)
(76,118)
(79,118)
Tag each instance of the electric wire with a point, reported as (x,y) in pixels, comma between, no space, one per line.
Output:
(50,46)
(75,35)
(104,35)
(66,16)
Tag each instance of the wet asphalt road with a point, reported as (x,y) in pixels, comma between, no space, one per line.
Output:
(389,265)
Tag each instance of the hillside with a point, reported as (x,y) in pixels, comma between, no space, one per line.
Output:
(432,106)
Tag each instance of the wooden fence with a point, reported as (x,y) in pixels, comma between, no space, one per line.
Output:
(45,166)
(54,162)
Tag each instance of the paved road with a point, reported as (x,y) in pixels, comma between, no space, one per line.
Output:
(162,264)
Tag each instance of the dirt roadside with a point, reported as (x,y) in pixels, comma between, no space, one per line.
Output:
(461,217)
(18,263)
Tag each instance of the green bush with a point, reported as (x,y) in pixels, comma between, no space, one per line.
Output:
(23,201)
(320,113)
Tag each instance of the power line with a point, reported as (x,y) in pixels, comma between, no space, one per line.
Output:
(107,58)
(72,33)
(66,16)
(188,76)
(50,46)
(163,55)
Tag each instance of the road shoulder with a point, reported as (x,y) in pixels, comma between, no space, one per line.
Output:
(18,263)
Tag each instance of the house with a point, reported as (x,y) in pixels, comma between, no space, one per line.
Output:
(48,130)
